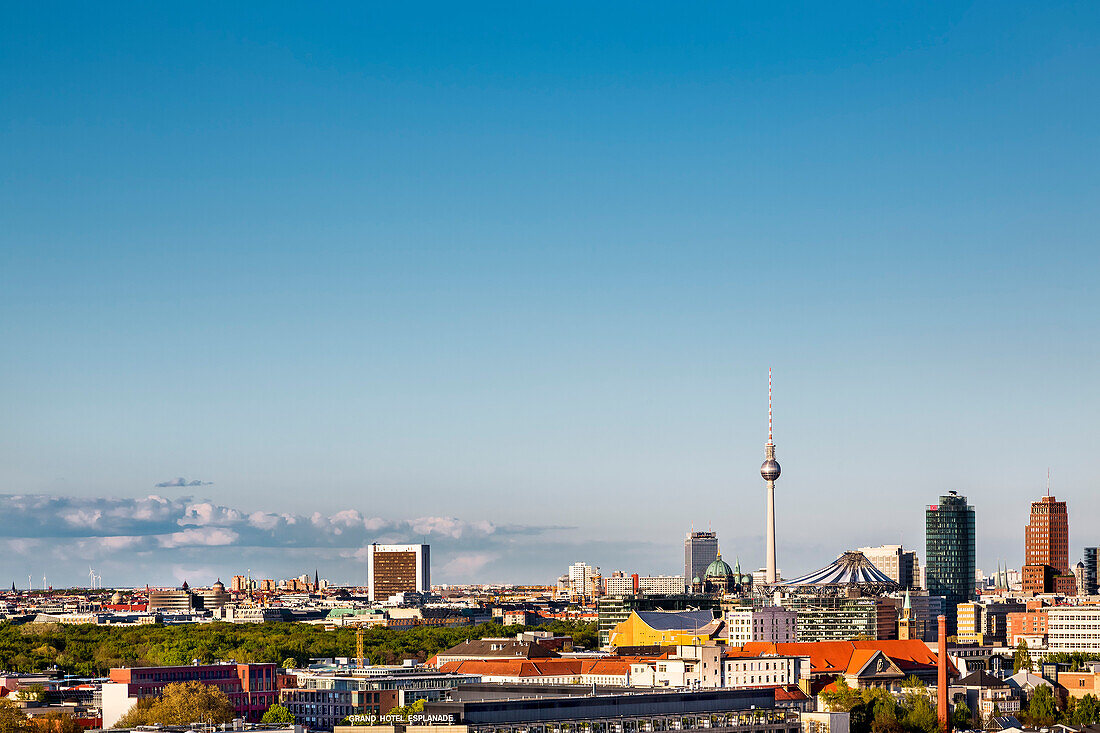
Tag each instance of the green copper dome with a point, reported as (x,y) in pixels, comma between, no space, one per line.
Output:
(719,569)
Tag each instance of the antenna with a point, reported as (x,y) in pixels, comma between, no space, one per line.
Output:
(769,404)
(1048,480)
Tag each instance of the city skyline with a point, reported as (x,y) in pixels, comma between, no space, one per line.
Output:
(213,541)
(488,280)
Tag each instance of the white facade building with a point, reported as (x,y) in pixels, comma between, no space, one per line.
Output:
(772,624)
(580,581)
(764,671)
(1073,629)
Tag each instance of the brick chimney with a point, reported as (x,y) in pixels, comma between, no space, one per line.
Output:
(941,677)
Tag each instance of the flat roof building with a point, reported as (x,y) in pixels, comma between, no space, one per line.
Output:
(394,569)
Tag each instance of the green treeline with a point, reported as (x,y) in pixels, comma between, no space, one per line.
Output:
(874,710)
(89,650)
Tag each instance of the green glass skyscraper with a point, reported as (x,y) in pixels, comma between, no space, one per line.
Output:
(950,558)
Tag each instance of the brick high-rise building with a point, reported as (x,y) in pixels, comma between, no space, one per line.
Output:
(1046,549)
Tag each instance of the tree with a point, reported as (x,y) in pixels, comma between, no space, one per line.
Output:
(920,714)
(277,714)
(843,699)
(1022,658)
(961,718)
(412,708)
(55,722)
(34,693)
(181,703)
(12,719)
(1086,711)
(289,663)
(1042,709)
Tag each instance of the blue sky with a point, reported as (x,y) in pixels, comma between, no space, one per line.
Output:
(528,266)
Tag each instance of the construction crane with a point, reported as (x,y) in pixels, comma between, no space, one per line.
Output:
(360,654)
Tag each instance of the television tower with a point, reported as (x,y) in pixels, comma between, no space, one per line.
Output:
(769,470)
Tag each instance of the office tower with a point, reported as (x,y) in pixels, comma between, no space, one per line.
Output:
(1091,556)
(769,471)
(700,550)
(949,553)
(393,569)
(902,567)
(1046,549)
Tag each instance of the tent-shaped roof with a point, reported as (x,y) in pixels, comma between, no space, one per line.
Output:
(851,568)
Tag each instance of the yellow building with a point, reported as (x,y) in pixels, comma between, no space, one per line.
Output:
(970,623)
(666,628)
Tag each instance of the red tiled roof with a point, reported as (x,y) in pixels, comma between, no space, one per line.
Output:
(826,657)
(790,692)
(545,667)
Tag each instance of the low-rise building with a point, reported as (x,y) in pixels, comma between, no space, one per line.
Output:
(252,688)
(858,662)
(744,670)
(1079,684)
(720,711)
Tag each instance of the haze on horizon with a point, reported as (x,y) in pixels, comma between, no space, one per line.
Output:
(509,280)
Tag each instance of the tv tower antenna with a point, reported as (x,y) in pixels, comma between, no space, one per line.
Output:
(769,471)
(769,405)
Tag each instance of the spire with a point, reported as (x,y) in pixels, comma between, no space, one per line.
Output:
(1048,480)
(908,605)
(769,409)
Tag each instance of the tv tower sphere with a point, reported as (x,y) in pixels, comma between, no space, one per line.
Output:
(769,469)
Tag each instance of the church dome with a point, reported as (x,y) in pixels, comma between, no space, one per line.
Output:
(218,586)
(116,598)
(719,569)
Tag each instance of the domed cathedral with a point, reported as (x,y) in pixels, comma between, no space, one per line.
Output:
(720,578)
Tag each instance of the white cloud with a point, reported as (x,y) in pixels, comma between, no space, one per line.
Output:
(202,537)
(464,567)
(82,518)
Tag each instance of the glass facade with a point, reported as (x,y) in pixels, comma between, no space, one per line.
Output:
(1090,569)
(950,558)
(700,550)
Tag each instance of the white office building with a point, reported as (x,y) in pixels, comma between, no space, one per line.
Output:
(1073,629)
(772,624)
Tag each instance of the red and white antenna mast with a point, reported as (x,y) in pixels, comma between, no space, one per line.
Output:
(769,404)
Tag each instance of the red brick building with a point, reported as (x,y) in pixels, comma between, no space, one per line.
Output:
(1027,623)
(252,688)
(1046,549)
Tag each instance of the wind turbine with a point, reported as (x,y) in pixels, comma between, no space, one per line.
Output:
(91,578)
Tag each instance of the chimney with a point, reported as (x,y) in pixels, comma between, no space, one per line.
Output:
(941,677)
